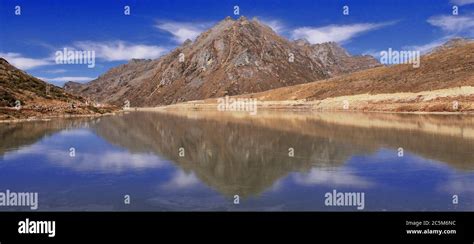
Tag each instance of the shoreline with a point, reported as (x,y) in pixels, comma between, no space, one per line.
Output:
(51,117)
(279,106)
(455,100)
(190,106)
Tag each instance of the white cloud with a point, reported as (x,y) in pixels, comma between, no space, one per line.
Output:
(108,51)
(71,78)
(76,132)
(372,52)
(61,80)
(182,180)
(55,71)
(121,50)
(105,162)
(318,176)
(462,2)
(453,24)
(182,31)
(425,48)
(275,24)
(335,33)
(25,63)
(457,184)
(109,162)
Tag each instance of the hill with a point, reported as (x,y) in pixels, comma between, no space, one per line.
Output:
(24,96)
(233,57)
(444,82)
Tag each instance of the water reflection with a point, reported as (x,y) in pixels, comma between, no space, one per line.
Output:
(231,153)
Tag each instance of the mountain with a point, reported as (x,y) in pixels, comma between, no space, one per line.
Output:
(73,87)
(334,59)
(35,97)
(445,76)
(454,42)
(233,57)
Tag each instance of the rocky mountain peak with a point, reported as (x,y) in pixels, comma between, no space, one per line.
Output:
(242,19)
(233,57)
(302,42)
(330,48)
(187,42)
(73,86)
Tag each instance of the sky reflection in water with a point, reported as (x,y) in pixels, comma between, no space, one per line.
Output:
(137,154)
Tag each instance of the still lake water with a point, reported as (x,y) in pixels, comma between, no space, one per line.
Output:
(227,154)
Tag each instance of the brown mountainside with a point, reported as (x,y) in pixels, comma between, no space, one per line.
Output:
(233,57)
(448,66)
(18,85)
(35,97)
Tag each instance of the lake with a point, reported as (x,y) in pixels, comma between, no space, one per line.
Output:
(274,161)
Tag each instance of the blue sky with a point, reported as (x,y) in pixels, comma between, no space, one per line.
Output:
(30,40)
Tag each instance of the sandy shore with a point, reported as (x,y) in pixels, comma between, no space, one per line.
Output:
(51,117)
(459,100)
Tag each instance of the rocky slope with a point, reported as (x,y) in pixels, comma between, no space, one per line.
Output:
(24,96)
(73,87)
(444,82)
(233,57)
(334,59)
(445,77)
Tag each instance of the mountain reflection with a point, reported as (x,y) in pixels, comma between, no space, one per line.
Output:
(19,134)
(235,153)
(240,154)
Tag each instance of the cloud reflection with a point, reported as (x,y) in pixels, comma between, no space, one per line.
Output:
(319,176)
(181,180)
(109,161)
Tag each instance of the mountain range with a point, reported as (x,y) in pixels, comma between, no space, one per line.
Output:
(444,82)
(234,57)
(247,58)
